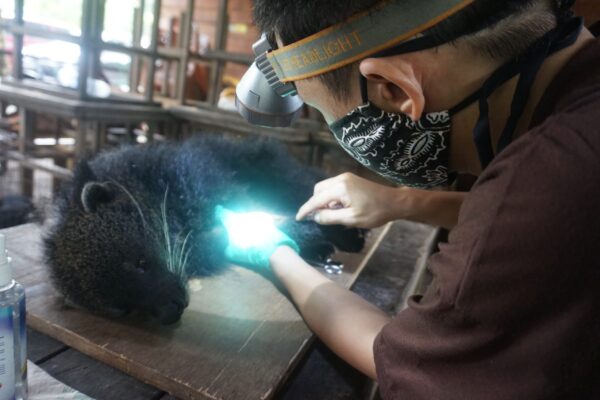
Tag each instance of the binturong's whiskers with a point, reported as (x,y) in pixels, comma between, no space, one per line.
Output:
(177,256)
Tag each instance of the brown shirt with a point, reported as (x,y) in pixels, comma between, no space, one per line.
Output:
(514,308)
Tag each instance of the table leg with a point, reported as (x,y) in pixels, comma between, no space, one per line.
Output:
(26,134)
(80,141)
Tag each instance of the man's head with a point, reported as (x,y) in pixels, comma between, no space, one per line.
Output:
(412,83)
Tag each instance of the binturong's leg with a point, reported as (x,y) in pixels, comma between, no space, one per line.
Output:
(277,183)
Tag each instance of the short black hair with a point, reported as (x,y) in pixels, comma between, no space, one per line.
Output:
(295,20)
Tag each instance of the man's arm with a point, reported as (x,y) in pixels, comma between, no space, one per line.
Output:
(437,208)
(345,322)
(353,201)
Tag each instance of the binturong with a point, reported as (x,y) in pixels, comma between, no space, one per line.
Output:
(134,224)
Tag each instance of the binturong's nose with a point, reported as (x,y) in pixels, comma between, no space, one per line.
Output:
(170,313)
(170,302)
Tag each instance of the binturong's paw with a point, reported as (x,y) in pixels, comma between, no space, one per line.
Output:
(318,242)
(350,240)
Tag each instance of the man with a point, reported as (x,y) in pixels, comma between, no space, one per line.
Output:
(512,310)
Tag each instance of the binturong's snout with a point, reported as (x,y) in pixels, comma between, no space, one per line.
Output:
(170,313)
(170,301)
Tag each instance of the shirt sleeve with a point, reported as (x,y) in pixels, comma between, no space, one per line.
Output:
(511,312)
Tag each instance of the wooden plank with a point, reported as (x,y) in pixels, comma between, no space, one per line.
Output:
(232,122)
(70,107)
(32,163)
(75,369)
(41,347)
(239,338)
(384,283)
(96,379)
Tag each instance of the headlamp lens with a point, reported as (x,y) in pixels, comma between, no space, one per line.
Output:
(260,104)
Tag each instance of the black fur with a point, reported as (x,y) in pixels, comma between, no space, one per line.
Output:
(108,251)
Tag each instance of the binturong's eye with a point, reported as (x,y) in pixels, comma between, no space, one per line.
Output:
(141,266)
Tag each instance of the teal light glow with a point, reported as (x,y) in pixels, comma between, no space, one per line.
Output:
(248,230)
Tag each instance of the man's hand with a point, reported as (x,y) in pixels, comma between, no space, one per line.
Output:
(356,202)
(253,237)
(351,201)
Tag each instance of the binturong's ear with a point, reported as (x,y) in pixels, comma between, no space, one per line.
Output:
(94,194)
(396,84)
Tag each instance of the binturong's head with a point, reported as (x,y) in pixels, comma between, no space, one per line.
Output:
(106,254)
(393,79)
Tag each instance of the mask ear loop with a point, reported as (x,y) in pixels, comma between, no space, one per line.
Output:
(364,90)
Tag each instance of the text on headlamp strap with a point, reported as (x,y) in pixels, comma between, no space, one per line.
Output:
(360,36)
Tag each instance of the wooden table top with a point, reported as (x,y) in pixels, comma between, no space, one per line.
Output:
(319,375)
(239,338)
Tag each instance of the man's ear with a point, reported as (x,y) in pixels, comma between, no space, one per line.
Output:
(396,83)
(94,194)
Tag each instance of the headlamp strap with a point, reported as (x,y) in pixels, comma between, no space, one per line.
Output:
(361,36)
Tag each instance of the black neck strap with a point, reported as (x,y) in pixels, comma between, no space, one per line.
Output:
(527,66)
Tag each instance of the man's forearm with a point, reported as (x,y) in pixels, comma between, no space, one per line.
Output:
(345,322)
(437,208)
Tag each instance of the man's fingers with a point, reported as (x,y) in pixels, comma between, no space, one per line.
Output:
(343,216)
(335,205)
(324,185)
(317,202)
(327,183)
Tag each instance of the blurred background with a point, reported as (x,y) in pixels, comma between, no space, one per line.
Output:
(78,76)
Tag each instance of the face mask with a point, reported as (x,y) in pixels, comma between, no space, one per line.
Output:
(396,147)
(416,153)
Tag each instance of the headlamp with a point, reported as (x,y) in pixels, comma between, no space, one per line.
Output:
(261,98)
(266,94)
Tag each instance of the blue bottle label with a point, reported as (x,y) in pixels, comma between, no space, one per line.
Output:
(7,361)
(23,341)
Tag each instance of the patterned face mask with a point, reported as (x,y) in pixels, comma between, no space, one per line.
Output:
(407,152)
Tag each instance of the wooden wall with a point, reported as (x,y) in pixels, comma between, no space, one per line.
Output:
(241,31)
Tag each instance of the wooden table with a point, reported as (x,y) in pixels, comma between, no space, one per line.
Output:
(383,284)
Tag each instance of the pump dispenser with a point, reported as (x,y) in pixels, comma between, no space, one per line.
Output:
(13,349)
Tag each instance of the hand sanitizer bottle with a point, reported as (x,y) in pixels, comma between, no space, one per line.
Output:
(13,348)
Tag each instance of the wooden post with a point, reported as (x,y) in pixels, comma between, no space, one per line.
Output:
(97,20)
(96,133)
(152,128)
(149,92)
(26,134)
(134,69)
(85,47)
(81,139)
(220,43)
(103,137)
(167,63)
(18,42)
(56,181)
(185,36)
